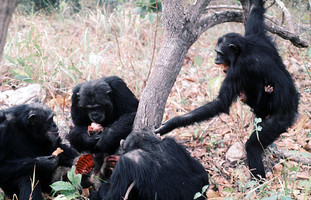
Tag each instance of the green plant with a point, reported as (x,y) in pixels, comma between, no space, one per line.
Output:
(68,190)
(202,193)
(147,6)
(1,196)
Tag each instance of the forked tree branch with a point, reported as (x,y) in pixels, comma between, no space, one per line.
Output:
(237,15)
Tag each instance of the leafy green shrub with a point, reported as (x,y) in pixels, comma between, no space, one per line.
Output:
(148,6)
(68,190)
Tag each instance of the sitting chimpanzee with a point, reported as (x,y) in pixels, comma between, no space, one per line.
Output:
(106,101)
(28,137)
(255,69)
(151,168)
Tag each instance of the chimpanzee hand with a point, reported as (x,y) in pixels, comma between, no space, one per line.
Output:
(46,163)
(96,136)
(169,125)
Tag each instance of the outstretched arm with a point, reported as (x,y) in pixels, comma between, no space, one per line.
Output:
(227,94)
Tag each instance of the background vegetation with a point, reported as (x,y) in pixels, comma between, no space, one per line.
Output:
(60,43)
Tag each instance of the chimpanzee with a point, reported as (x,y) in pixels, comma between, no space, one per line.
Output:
(151,168)
(28,137)
(252,64)
(106,101)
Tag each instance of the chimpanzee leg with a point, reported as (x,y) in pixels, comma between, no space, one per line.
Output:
(272,128)
(25,189)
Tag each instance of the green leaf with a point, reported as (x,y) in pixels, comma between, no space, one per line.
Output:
(250,184)
(22,78)
(71,173)
(204,188)
(309,53)
(62,186)
(285,198)
(274,197)
(61,197)
(197,195)
(228,189)
(214,82)
(303,183)
(198,60)
(137,10)
(152,17)
(258,120)
(28,71)
(74,178)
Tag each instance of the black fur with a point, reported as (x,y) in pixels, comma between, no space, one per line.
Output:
(109,102)
(28,136)
(161,169)
(253,63)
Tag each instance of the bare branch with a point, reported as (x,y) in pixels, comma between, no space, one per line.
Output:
(219,17)
(195,10)
(283,33)
(232,7)
(238,16)
(291,155)
(287,14)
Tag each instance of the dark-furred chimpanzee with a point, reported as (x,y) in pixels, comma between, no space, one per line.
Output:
(252,64)
(28,137)
(106,101)
(151,168)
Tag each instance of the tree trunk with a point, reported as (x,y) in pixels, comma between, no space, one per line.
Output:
(6,11)
(179,34)
(161,80)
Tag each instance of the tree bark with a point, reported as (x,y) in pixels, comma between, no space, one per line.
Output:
(6,11)
(179,34)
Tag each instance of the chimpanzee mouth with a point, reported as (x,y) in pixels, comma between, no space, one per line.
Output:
(52,134)
(223,66)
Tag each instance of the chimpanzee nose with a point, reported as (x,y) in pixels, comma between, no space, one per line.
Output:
(95,116)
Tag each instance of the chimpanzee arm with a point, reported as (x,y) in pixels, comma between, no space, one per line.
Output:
(255,25)
(109,141)
(79,116)
(13,169)
(68,155)
(123,99)
(228,93)
(81,140)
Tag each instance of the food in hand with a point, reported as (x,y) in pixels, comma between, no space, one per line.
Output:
(57,152)
(94,128)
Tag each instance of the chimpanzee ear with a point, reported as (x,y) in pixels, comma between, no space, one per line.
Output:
(32,118)
(78,96)
(109,91)
(234,48)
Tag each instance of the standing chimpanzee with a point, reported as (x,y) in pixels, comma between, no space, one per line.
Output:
(28,137)
(106,101)
(151,168)
(252,65)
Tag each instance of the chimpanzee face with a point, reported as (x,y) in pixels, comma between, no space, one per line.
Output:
(40,124)
(96,113)
(226,50)
(95,99)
